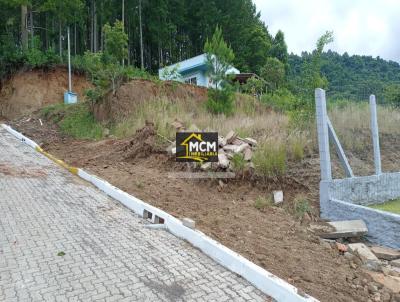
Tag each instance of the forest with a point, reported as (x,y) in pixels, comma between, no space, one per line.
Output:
(156,33)
(160,32)
(353,77)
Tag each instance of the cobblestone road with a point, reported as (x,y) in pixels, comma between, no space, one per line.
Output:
(63,240)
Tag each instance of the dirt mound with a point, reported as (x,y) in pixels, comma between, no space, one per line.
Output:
(142,144)
(28,91)
(119,106)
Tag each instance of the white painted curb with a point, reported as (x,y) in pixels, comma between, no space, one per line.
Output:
(260,278)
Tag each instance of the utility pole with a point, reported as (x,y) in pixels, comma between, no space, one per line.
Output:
(123,24)
(141,35)
(69,62)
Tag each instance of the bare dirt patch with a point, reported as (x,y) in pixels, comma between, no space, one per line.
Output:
(120,106)
(11,170)
(28,91)
(273,237)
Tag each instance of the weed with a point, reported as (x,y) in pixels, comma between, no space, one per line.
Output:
(301,206)
(61,254)
(262,202)
(270,160)
(238,162)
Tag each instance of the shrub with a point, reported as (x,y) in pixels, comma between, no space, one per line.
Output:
(281,100)
(270,160)
(36,58)
(220,101)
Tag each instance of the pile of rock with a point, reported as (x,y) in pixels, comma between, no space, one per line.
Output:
(232,144)
(229,146)
(382,264)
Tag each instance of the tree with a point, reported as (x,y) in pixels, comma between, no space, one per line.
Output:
(279,47)
(273,73)
(115,42)
(311,75)
(219,57)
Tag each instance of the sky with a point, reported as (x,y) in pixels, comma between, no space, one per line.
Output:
(365,27)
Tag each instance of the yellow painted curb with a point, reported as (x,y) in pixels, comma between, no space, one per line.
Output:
(73,170)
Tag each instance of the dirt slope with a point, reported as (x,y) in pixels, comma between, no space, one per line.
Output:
(119,106)
(28,91)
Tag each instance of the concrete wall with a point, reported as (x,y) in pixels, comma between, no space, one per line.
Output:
(383,227)
(366,190)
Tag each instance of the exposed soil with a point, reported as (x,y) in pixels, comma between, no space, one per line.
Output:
(129,95)
(28,91)
(273,238)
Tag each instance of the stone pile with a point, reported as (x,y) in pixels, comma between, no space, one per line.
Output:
(229,146)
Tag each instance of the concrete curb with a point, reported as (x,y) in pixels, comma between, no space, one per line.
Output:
(260,278)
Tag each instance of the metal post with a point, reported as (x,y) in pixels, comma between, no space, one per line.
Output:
(69,62)
(323,135)
(141,35)
(375,135)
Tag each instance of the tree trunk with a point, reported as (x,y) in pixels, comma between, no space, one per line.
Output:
(24,30)
(60,39)
(31,21)
(95,35)
(91,26)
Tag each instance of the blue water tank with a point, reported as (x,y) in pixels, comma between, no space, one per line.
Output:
(70,97)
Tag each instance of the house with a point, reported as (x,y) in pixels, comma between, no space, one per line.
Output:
(191,71)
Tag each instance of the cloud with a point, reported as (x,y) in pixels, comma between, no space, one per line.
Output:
(365,27)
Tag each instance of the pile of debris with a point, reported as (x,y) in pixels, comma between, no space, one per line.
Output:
(381,263)
(230,146)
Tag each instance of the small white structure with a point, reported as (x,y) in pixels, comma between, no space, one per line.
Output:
(191,71)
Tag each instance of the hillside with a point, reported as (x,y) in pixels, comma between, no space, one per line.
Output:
(351,77)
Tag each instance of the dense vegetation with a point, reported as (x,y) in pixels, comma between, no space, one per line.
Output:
(159,32)
(353,77)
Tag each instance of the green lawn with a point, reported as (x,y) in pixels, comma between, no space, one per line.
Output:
(389,206)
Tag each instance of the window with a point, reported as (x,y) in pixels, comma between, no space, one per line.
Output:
(192,81)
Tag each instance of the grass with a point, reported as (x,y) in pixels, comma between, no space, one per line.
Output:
(351,121)
(263,202)
(269,159)
(389,206)
(74,120)
(238,162)
(301,206)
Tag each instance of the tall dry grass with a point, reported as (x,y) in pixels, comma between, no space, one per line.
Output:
(251,119)
(352,124)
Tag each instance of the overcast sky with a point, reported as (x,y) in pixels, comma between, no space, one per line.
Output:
(366,27)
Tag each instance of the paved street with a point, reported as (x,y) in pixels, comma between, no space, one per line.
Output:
(63,240)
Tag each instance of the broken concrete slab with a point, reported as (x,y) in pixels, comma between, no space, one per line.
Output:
(231,148)
(250,141)
(248,154)
(363,251)
(230,137)
(390,282)
(206,166)
(221,141)
(395,263)
(242,147)
(385,253)
(345,229)
(223,161)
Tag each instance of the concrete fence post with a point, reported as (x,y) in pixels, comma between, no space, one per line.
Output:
(375,135)
(323,135)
